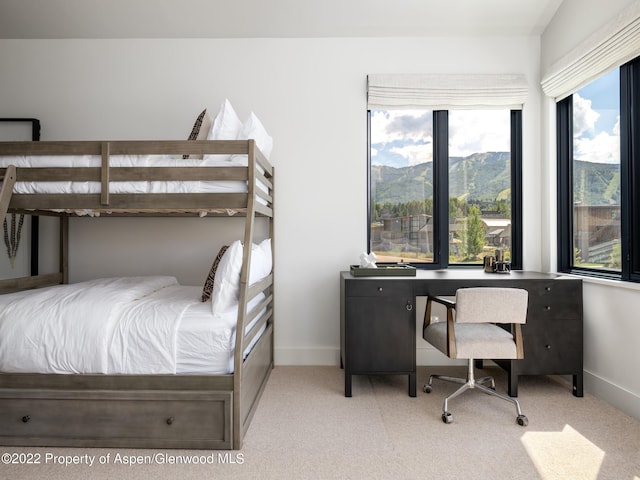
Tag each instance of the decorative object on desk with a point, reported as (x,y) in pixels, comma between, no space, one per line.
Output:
(503,267)
(496,264)
(384,270)
(368,260)
(489,263)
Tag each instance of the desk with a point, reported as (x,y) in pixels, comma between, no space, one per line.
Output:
(378,334)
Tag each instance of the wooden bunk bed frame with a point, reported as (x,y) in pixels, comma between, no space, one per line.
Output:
(141,411)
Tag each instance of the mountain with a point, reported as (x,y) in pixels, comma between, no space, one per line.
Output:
(485,177)
(596,183)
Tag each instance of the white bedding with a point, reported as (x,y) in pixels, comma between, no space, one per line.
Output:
(135,325)
(206,343)
(227,186)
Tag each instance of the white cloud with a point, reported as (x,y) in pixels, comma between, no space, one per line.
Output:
(391,125)
(603,148)
(415,153)
(584,117)
(473,131)
(589,144)
(409,133)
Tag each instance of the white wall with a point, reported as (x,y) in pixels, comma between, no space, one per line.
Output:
(611,322)
(311,96)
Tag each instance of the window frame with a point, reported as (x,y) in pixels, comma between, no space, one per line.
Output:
(629,181)
(441,192)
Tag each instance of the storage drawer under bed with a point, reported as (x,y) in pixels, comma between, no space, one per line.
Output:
(150,419)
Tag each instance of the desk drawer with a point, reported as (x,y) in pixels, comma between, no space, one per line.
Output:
(558,299)
(552,347)
(378,288)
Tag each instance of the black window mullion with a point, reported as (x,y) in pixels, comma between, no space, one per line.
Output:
(516,189)
(564,115)
(369,202)
(629,169)
(441,187)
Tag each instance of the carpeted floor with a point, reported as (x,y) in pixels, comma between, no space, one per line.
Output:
(305,428)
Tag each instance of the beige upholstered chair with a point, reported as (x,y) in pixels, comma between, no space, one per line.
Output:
(471,332)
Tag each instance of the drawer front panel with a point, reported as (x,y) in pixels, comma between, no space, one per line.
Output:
(160,416)
(552,347)
(378,288)
(380,336)
(558,299)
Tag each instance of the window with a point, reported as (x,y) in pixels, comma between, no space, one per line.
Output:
(598,130)
(444,185)
(479,184)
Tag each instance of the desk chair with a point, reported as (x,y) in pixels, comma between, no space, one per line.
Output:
(470,332)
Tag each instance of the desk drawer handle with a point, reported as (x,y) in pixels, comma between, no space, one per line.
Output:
(409,306)
(170,421)
(380,289)
(548,347)
(26,418)
(547,307)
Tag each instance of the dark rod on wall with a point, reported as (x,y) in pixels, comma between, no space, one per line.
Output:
(35,220)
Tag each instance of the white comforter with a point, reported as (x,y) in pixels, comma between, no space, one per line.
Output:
(115,325)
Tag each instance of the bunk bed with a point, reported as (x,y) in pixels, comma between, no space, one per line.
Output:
(140,410)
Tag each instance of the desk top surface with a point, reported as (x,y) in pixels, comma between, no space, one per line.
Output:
(463,274)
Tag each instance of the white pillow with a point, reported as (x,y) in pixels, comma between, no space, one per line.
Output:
(226,284)
(261,261)
(226,126)
(254,129)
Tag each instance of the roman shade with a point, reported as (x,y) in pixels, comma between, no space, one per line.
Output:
(614,44)
(446,91)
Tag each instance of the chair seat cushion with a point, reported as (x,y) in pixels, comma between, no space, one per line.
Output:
(473,340)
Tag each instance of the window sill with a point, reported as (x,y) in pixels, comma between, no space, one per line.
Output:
(604,281)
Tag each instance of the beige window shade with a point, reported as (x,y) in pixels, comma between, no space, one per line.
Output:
(610,47)
(444,92)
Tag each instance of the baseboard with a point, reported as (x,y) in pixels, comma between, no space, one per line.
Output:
(613,394)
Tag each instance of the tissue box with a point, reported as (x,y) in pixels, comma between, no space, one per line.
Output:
(384,270)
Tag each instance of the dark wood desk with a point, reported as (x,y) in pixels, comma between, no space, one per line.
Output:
(378,334)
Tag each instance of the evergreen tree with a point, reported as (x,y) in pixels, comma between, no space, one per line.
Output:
(475,232)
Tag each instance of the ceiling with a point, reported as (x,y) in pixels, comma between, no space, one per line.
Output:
(271,18)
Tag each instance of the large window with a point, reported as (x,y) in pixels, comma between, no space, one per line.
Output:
(445,186)
(598,130)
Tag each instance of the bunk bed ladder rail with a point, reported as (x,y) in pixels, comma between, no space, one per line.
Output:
(242,418)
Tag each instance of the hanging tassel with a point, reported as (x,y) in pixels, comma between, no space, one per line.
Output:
(12,238)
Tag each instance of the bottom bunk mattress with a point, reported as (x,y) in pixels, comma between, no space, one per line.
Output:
(129,325)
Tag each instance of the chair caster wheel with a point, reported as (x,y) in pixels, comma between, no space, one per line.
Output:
(523,420)
(427,389)
(447,417)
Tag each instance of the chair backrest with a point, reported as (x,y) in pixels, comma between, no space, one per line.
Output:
(491,305)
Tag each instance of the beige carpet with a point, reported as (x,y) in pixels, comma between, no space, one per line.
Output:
(305,428)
